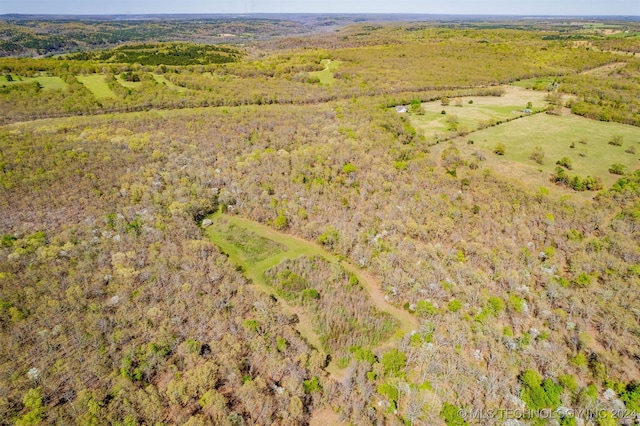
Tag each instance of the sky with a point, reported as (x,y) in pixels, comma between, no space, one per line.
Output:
(465,7)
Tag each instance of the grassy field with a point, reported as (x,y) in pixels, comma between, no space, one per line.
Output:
(591,153)
(326,75)
(97,85)
(54,83)
(471,116)
(162,80)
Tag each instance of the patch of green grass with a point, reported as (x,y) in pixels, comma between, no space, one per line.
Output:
(251,246)
(163,80)
(591,153)
(47,83)
(540,83)
(326,75)
(97,85)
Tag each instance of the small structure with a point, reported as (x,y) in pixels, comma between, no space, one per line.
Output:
(401,109)
(527,111)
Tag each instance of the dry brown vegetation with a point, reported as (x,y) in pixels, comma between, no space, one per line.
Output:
(114,307)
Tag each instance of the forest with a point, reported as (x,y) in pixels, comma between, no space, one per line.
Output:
(369,223)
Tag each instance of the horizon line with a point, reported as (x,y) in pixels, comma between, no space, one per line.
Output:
(326,14)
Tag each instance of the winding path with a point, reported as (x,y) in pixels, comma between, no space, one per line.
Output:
(297,247)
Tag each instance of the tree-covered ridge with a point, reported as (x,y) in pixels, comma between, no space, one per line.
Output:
(34,37)
(162,54)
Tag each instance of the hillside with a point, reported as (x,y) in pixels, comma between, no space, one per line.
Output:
(256,235)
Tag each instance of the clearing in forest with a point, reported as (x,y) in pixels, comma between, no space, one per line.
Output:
(338,304)
(468,114)
(326,75)
(97,84)
(46,82)
(587,144)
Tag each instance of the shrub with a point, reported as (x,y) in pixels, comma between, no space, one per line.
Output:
(388,390)
(424,307)
(617,169)
(312,385)
(451,415)
(454,306)
(280,222)
(565,162)
(499,149)
(393,361)
(363,354)
(496,305)
(582,280)
(631,396)
(538,393)
(616,140)
(348,168)
(537,155)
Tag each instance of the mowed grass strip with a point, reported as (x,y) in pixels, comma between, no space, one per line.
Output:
(326,75)
(591,155)
(47,83)
(163,80)
(97,85)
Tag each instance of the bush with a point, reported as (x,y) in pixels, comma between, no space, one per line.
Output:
(454,306)
(537,155)
(538,393)
(565,162)
(616,140)
(393,361)
(582,280)
(312,385)
(348,168)
(618,169)
(499,149)
(280,222)
(631,396)
(450,415)
(424,307)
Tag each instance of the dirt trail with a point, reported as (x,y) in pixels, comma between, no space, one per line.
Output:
(300,247)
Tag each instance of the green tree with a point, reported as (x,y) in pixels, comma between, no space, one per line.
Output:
(393,361)
(33,403)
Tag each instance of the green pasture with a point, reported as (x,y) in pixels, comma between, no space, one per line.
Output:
(97,85)
(591,155)
(460,115)
(53,83)
(326,75)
